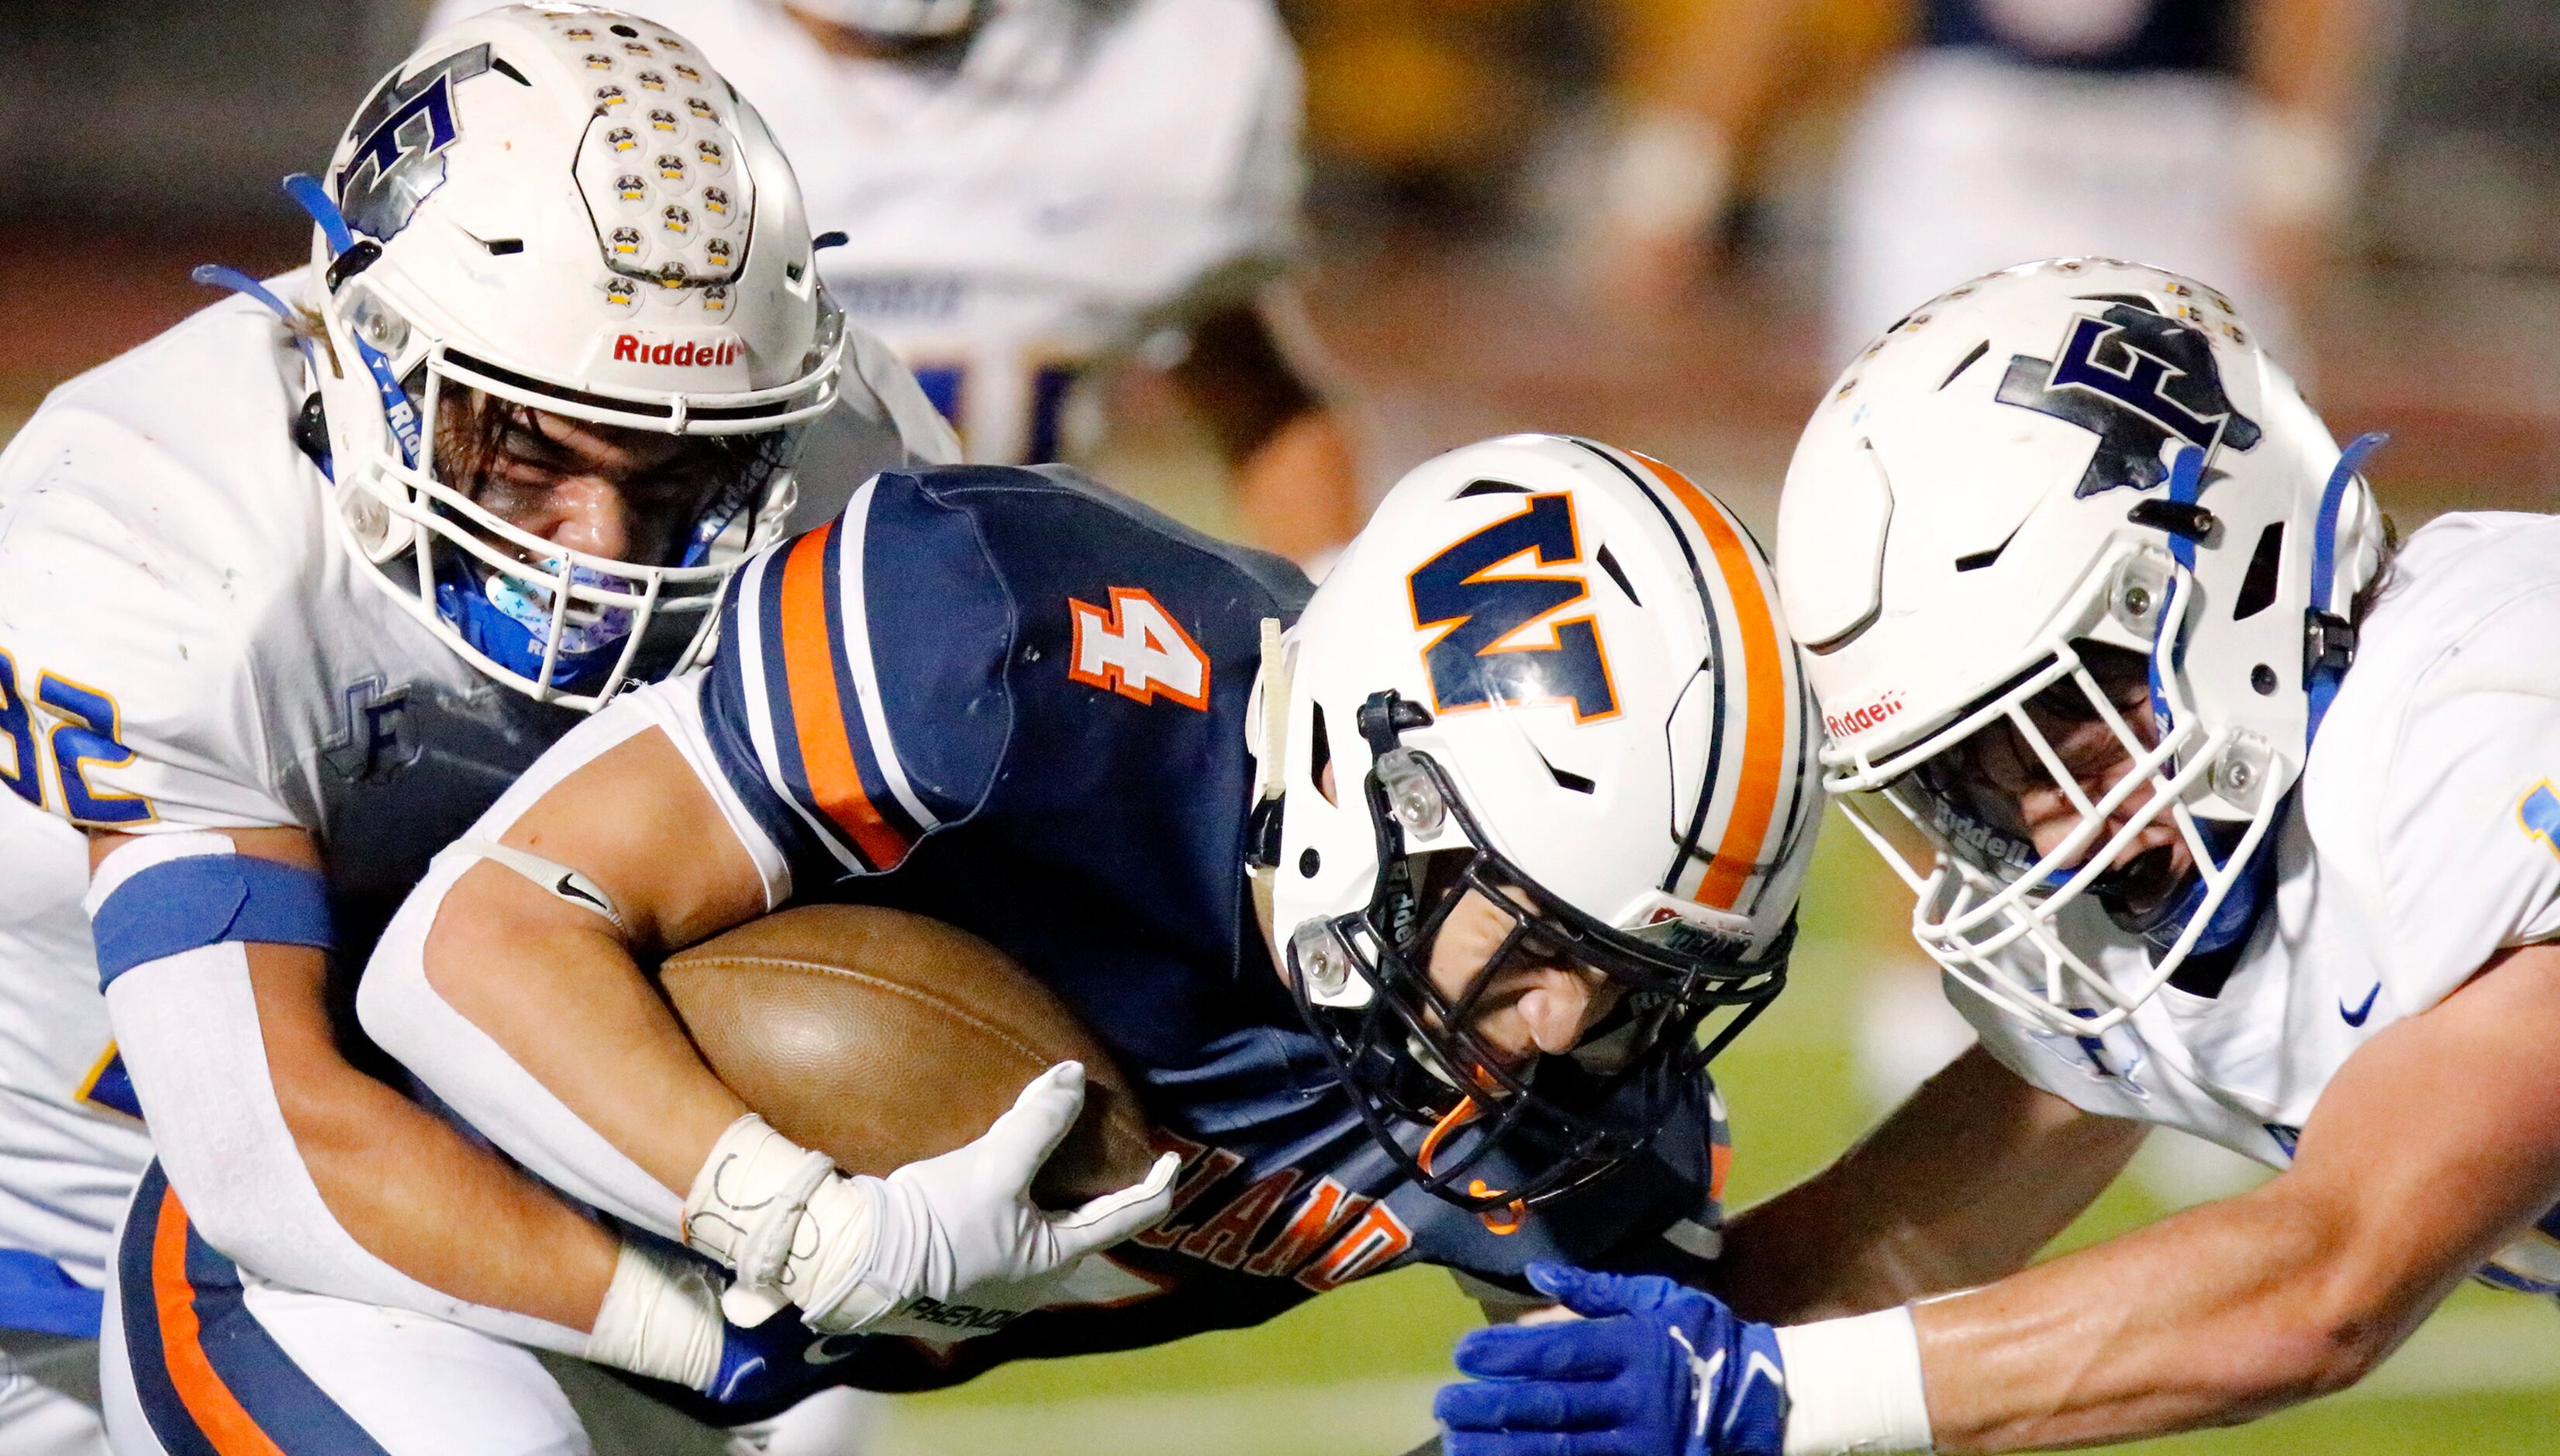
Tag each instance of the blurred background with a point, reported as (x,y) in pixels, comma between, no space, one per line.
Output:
(1661,223)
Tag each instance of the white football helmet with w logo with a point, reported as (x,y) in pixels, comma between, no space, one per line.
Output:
(2028,496)
(1560,666)
(568,209)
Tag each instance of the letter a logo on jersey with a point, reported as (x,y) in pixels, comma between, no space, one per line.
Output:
(1137,650)
(1495,639)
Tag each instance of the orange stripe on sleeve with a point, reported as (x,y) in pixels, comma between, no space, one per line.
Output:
(1765,700)
(211,1403)
(817,705)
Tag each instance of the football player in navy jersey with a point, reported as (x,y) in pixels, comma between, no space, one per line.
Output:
(1413,916)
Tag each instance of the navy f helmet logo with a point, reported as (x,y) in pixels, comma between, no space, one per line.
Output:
(401,137)
(2135,377)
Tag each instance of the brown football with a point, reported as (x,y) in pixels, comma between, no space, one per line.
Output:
(879,1036)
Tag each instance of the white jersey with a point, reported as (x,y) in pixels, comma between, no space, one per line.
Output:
(2425,836)
(184,646)
(1085,176)
(1963,161)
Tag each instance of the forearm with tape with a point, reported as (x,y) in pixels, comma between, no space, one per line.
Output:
(661,1318)
(173,918)
(1855,1385)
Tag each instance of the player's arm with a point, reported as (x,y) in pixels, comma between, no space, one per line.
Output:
(211,935)
(558,986)
(1296,485)
(510,981)
(2432,1146)
(1697,86)
(1251,372)
(198,1026)
(1962,1185)
(535,957)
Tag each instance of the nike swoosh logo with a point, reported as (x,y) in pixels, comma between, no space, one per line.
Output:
(569,889)
(2356,1017)
(831,1348)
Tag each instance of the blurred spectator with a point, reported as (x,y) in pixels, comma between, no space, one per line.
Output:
(2216,137)
(1033,191)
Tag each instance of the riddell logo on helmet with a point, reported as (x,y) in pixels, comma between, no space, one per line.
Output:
(674,353)
(1858,720)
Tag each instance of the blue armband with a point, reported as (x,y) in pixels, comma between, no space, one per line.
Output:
(208,900)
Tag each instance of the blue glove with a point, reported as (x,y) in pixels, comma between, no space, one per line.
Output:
(1654,1369)
(777,1364)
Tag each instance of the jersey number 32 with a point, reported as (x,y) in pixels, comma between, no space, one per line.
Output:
(81,734)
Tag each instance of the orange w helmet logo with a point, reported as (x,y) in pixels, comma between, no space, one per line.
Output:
(1484,651)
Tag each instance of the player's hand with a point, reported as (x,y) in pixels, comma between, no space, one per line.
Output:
(963,1224)
(1654,1368)
(774,1365)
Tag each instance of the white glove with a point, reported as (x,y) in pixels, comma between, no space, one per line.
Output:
(853,1252)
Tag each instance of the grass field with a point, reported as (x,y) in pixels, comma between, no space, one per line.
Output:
(1353,1373)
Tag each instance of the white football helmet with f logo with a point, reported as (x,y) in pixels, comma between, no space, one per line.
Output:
(567,209)
(2030,496)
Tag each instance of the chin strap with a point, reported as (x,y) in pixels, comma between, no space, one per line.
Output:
(349,257)
(2328,639)
(2329,648)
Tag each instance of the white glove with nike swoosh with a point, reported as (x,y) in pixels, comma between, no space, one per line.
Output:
(853,1252)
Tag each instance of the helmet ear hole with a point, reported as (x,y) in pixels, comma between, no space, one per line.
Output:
(2257,588)
(1320,759)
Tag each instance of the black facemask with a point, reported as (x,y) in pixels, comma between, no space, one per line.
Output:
(1409,1058)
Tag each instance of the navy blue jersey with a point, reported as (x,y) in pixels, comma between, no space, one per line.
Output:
(1015,702)
(2157,34)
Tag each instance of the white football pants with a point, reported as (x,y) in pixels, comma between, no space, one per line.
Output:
(199,1358)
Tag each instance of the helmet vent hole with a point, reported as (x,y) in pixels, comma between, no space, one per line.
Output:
(1320,759)
(625,32)
(2258,587)
(1566,778)
(1309,861)
(1981,349)
(1618,573)
(1489,488)
(2263,679)
(504,247)
(507,69)
(1981,558)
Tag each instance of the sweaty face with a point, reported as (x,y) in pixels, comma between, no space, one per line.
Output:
(1998,777)
(631,495)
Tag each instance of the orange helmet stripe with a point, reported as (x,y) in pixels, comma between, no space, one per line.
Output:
(1764,705)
